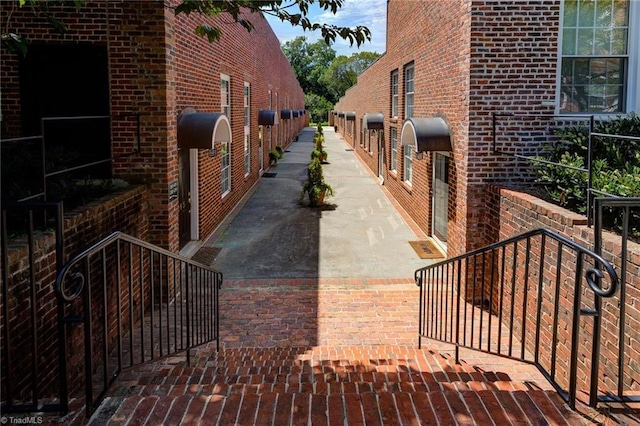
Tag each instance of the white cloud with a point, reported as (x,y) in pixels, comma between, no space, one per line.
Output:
(369,13)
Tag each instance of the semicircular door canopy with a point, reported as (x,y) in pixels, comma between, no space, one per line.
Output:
(199,130)
(373,121)
(427,134)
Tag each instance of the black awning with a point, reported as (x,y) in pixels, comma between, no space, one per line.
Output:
(341,114)
(285,114)
(373,121)
(351,115)
(295,113)
(200,130)
(266,117)
(427,134)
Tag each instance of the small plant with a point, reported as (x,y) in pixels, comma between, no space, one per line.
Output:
(320,154)
(274,156)
(315,185)
(280,151)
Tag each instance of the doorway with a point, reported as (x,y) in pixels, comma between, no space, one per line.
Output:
(380,134)
(184,196)
(440,197)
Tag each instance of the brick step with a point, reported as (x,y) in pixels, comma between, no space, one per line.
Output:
(278,361)
(301,408)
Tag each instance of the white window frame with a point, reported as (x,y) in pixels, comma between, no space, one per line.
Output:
(247,128)
(407,165)
(393,135)
(394,94)
(409,90)
(225,168)
(632,81)
(225,95)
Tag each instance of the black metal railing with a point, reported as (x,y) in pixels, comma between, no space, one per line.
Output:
(525,141)
(528,302)
(621,368)
(42,172)
(135,303)
(28,306)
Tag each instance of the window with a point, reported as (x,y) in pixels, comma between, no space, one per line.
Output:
(408,164)
(226,168)
(247,130)
(394,148)
(394,93)
(596,67)
(246,105)
(247,152)
(225,95)
(269,95)
(408,90)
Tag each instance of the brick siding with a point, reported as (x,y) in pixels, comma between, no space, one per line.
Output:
(471,59)
(157,67)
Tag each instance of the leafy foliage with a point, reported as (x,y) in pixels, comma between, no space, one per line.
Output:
(315,184)
(324,78)
(17,43)
(293,11)
(615,165)
(318,107)
(344,71)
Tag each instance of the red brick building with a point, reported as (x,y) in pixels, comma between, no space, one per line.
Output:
(120,59)
(422,115)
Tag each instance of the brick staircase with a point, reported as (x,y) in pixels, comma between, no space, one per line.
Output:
(329,385)
(335,352)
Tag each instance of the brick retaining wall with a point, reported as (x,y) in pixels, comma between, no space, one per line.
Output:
(511,213)
(126,211)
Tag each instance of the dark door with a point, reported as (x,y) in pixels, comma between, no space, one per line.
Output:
(184,196)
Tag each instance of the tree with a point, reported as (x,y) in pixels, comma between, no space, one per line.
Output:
(344,71)
(318,107)
(292,11)
(309,62)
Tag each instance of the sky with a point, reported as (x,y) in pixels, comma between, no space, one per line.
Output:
(369,13)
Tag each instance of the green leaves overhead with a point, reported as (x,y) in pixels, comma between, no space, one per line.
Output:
(17,43)
(293,11)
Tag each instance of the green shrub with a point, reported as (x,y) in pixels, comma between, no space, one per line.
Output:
(274,156)
(615,165)
(315,184)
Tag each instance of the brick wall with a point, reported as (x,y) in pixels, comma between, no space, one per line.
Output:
(157,67)
(254,58)
(512,213)
(471,59)
(125,211)
(441,87)
(513,56)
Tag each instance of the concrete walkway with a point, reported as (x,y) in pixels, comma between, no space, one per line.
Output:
(358,234)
